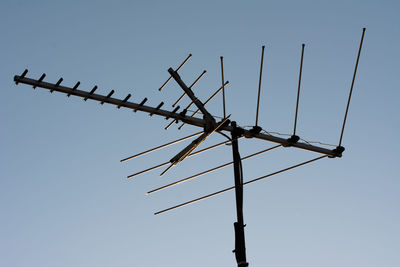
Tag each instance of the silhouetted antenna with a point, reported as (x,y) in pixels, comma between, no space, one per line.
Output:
(259,83)
(209,124)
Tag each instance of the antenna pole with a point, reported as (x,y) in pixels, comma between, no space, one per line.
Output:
(240,248)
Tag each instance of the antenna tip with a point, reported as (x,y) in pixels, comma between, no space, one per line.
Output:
(263,46)
(190,55)
(221,57)
(364,29)
(303,45)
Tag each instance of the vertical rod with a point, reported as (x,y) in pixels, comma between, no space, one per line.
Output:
(240,248)
(351,88)
(298,88)
(259,83)
(223,85)
(170,77)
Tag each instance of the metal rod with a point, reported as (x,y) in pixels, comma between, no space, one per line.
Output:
(205,103)
(259,83)
(298,89)
(149,169)
(159,147)
(351,88)
(210,170)
(169,125)
(167,169)
(170,77)
(192,154)
(180,98)
(223,85)
(59,81)
(232,187)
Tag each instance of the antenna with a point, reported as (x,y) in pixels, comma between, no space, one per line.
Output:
(208,124)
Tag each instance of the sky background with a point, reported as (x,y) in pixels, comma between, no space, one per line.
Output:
(64,196)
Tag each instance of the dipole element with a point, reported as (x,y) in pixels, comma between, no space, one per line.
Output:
(170,77)
(259,83)
(298,89)
(223,85)
(351,88)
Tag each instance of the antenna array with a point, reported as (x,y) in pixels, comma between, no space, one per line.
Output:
(209,125)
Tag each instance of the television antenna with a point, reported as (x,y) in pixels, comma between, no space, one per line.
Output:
(209,125)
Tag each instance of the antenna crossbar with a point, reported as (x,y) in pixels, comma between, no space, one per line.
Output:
(177,116)
(109,100)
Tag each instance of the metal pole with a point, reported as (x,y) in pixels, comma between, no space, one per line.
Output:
(240,248)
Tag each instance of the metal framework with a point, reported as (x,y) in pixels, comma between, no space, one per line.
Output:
(209,125)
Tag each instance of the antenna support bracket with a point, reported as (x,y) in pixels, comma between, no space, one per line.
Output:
(292,140)
(338,152)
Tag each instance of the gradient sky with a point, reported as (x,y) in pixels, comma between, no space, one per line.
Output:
(64,197)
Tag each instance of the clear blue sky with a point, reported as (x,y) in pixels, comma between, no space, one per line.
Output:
(64,197)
